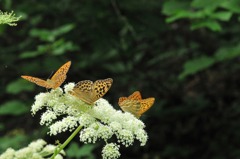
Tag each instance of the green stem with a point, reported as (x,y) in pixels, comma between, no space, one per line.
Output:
(66,142)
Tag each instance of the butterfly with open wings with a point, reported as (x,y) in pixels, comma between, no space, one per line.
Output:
(89,91)
(57,79)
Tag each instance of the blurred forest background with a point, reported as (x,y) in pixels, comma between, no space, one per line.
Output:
(183,53)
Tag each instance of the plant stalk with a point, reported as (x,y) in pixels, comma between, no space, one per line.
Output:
(66,142)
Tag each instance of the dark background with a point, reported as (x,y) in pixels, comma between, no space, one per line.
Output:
(183,53)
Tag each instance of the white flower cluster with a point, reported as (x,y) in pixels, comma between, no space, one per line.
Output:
(100,121)
(35,150)
(110,151)
(8,18)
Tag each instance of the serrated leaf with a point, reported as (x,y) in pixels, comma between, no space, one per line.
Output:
(13,107)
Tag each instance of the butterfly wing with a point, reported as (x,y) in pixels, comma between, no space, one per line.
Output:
(83,90)
(135,104)
(100,88)
(145,105)
(121,99)
(59,77)
(135,96)
(131,106)
(38,81)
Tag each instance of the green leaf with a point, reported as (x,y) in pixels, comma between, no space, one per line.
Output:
(42,34)
(232,5)
(227,53)
(210,24)
(207,3)
(117,67)
(15,141)
(61,46)
(13,107)
(85,151)
(18,86)
(63,29)
(188,14)
(51,35)
(172,6)
(30,54)
(196,65)
(178,15)
(223,15)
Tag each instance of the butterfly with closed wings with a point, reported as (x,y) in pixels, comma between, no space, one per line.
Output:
(135,104)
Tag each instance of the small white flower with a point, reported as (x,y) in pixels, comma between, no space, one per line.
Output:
(67,123)
(39,103)
(86,120)
(100,121)
(111,151)
(75,107)
(36,156)
(59,108)
(47,117)
(35,150)
(88,135)
(49,149)
(58,157)
(69,87)
(125,137)
(104,132)
(115,126)
(37,145)
(8,154)
(142,136)
(57,92)
(24,153)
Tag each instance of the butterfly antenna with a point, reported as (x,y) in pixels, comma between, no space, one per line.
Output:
(50,75)
(48,90)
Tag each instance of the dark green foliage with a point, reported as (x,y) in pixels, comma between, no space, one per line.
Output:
(13,107)
(15,140)
(183,53)
(74,150)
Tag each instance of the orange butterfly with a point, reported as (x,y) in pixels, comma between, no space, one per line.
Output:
(57,79)
(135,104)
(90,92)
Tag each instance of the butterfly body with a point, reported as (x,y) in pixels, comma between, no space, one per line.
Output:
(89,91)
(57,79)
(135,104)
